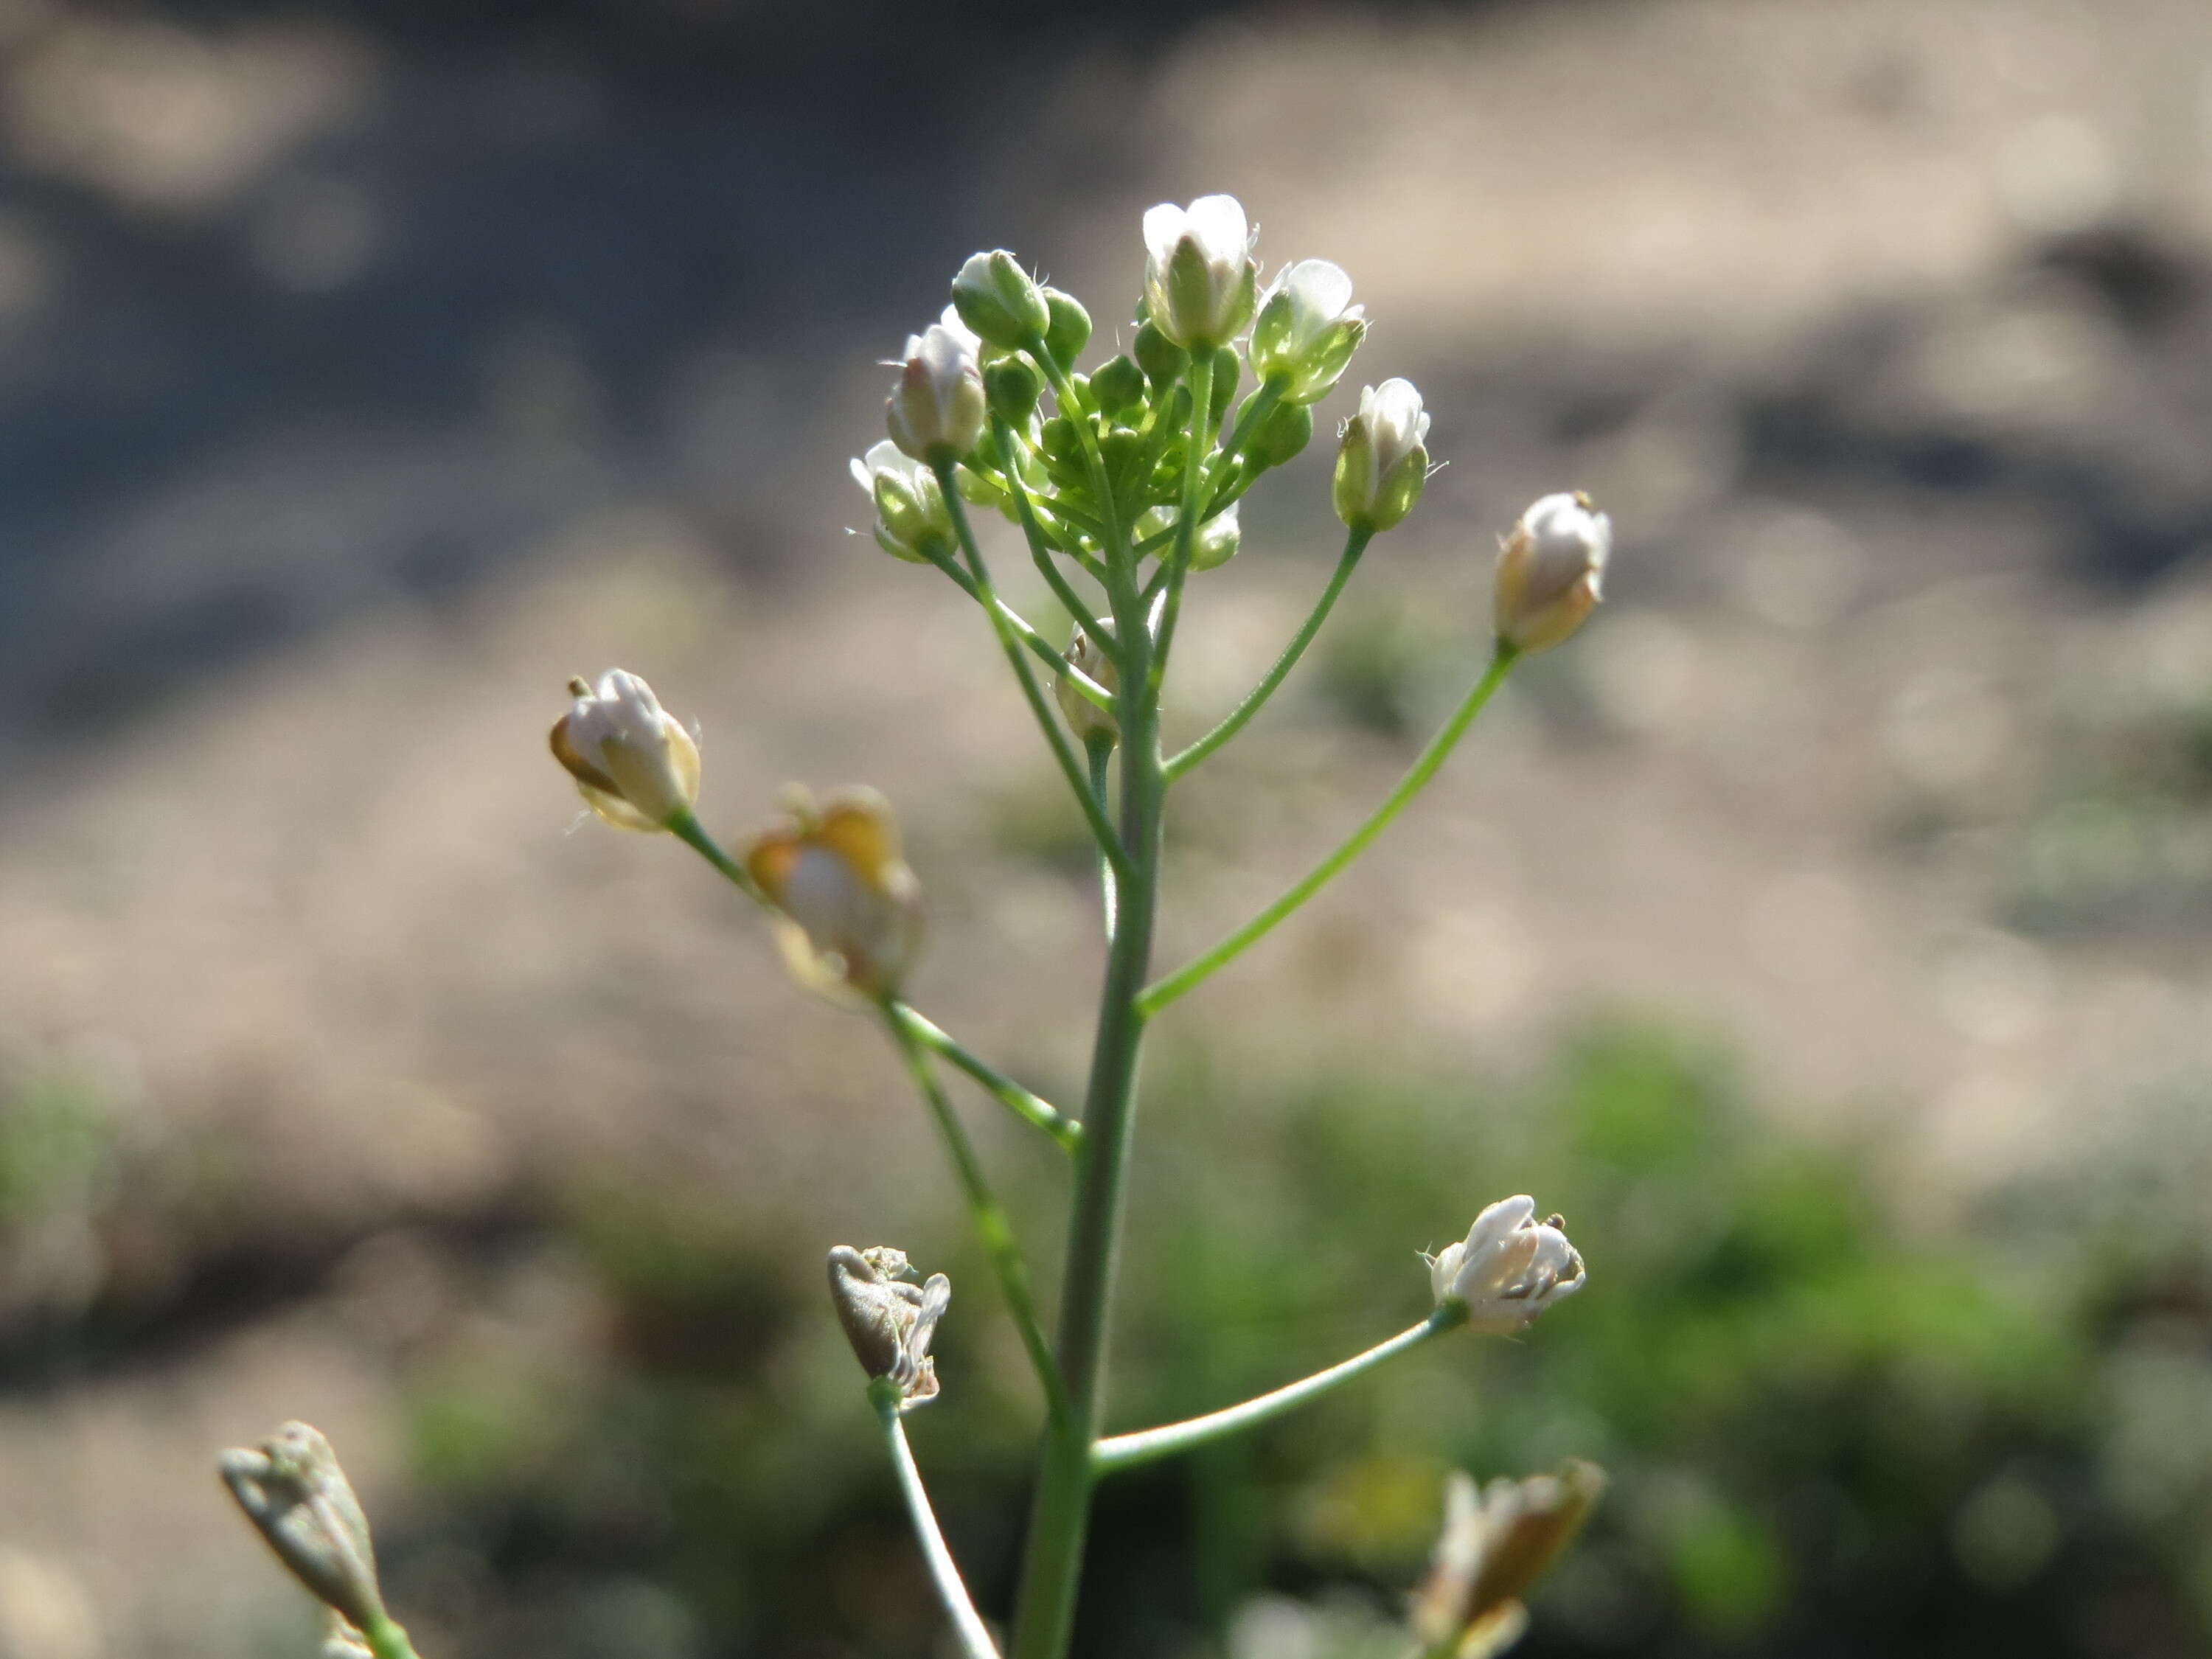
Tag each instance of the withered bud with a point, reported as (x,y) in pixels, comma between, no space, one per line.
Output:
(293,1492)
(888,1322)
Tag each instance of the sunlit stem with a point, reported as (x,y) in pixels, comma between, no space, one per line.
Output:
(1100,827)
(1355,544)
(1039,646)
(387,1641)
(1163,991)
(1201,374)
(974,1640)
(1102,486)
(1059,1515)
(1261,406)
(1010,1094)
(687,830)
(1126,1451)
(1041,548)
(1101,747)
(990,1221)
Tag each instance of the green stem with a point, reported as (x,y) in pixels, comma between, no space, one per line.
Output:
(387,1641)
(1157,997)
(1041,550)
(1354,545)
(1040,647)
(1029,1108)
(1201,374)
(1046,722)
(991,1224)
(1262,405)
(1101,747)
(1060,1519)
(1126,1451)
(1094,461)
(687,830)
(974,1640)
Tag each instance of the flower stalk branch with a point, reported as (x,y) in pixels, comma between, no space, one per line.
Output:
(968,1625)
(1157,996)
(1127,1451)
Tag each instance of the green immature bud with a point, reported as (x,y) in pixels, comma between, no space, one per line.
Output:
(1285,431)
(1058,439)
(1121,449)
(1068,327)
(1011,386)
(1226,369)
(1161,358)
(999,300)
(1118,385)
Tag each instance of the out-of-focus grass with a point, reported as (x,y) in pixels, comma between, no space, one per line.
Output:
(1830,1429)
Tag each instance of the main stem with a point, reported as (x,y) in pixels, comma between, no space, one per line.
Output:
(1045,1611)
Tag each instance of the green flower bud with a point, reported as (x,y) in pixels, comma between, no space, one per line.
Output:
(1283,432)
(1161,358)
(1067,328)
(1000,300)
(1227,369)
(1011,386)
(1058,439)
(1118,385)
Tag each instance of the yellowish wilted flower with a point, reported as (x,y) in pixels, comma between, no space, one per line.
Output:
(851,907)
(1497,1542)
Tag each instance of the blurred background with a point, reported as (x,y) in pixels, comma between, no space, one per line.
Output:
(1824,930)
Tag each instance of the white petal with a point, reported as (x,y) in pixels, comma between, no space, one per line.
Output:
(1219,223)
(1163,228)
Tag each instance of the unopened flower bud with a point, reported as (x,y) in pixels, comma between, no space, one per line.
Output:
(851,907)
(1161,358)
(1216,543)
(1011,386)
(1198,270)
(1086,717)
(911,520)
(1381,462)
(1551,570)
(1001,301)
(632,761)
(1306,330)
(936,411)
(1509,1269)
(888,1322)
(1497,1542)
(1069,331)
(1118,385)
(292,1489)
(1283,433)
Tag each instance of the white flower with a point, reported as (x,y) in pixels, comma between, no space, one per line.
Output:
(1381,461)
(633,761)
(1198,270)
(1307,330)
(1551,571)
(851,903)
(936,410)
(911,520)
(1509,1268)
